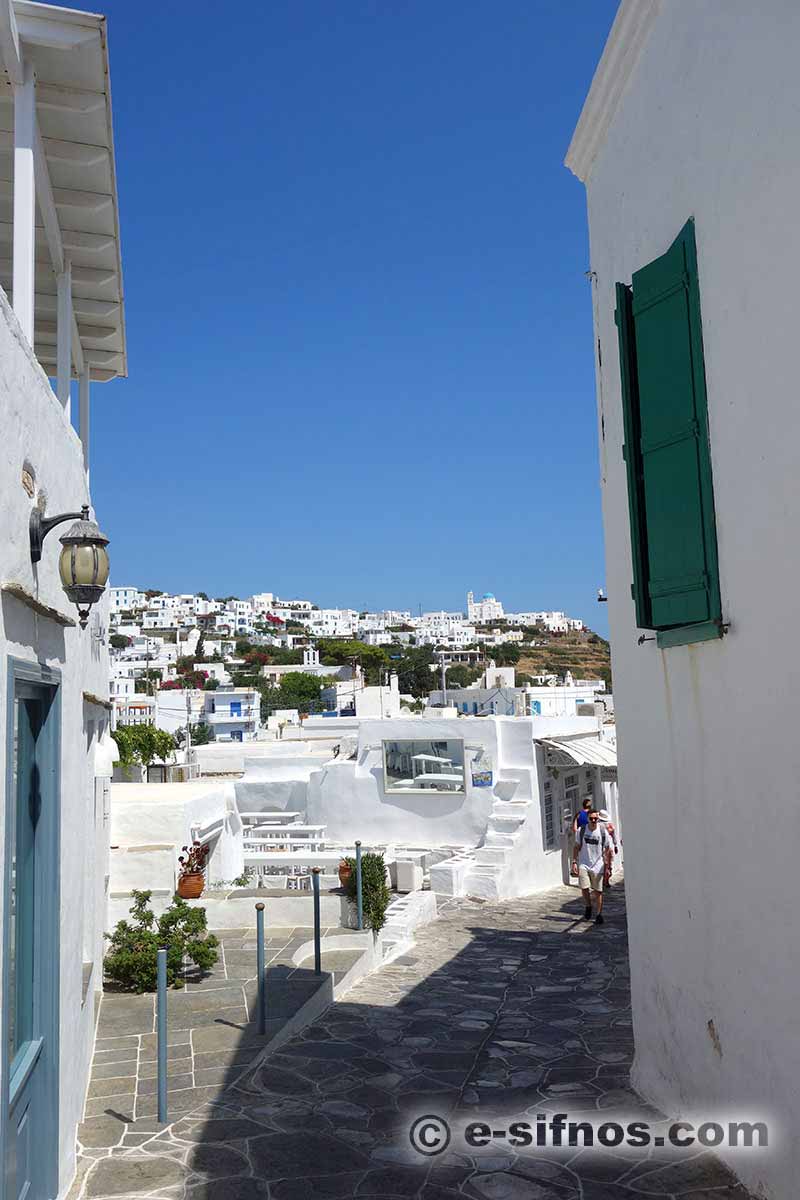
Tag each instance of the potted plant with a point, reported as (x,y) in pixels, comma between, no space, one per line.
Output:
(192,864)
(375,893)
(345,871)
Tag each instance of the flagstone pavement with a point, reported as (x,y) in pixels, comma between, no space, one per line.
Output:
(501,1010)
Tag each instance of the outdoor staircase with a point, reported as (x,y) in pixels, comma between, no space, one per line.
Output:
(504,839)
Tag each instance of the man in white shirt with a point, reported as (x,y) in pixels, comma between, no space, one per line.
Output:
(590,857)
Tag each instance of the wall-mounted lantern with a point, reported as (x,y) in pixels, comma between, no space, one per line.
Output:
(83,564)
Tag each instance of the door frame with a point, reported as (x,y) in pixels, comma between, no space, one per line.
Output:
(47,884)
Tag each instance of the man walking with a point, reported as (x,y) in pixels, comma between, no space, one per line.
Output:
(590,857)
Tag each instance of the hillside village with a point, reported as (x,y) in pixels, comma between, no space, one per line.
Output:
(286,659)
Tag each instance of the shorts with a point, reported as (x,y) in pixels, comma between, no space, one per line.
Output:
(591,879)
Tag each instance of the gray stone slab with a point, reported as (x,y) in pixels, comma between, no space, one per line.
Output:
(122,1105)
(175,1066)
(188,1020)
(106,1070)
(123,1176)
(149,1087)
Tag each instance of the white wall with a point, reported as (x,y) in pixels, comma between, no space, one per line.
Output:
(707,127)
(155,814)
(37,435)
(349,797)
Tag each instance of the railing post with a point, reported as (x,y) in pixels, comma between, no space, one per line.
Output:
(317,945)
(262,980)
(359,894)
(161,1026)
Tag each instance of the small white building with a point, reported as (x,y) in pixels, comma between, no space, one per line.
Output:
(354,698)
(233,713)
(687,148)
(124,599)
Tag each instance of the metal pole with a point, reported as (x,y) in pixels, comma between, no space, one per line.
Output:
(359,893)
(262,979)
(161,1007)
(317,947)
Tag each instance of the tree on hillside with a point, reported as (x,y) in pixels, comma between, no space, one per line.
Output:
(337,652)
(297,690)
(461,675)
(506,655)
(119,642)
(413,667)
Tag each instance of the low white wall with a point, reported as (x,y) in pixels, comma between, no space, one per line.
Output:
(165,813)
(278,779)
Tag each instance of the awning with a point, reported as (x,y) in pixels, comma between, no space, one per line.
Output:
(69,56)
(580,751)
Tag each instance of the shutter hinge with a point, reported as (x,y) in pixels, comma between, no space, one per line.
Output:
(633,591)
(624,452)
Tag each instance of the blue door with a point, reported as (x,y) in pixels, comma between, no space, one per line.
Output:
(30,935)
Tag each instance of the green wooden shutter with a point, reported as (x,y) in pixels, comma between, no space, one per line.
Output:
(632,454)
(681,548)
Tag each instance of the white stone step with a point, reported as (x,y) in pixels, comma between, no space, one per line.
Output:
(506,840)
(506,824)
(491,855)
(511,808)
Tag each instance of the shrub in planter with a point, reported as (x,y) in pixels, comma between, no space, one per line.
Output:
(375,895)
(132,959)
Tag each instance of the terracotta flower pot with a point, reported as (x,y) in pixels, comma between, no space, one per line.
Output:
(191,886)
(345,872)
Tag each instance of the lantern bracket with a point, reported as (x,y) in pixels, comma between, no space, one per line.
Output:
(40,526)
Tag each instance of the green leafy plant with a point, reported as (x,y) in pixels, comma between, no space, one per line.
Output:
(142,744)
(132,959)
(375,894)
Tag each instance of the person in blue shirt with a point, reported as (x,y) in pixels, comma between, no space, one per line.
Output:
(582,818)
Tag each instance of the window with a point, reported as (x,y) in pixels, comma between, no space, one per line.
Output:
(549,818)
(667,456)
(424,766)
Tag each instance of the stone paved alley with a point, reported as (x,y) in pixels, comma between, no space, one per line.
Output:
(499,1009)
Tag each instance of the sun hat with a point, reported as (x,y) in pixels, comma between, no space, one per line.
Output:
(603,814)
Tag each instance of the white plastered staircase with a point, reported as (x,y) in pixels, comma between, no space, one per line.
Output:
(501,858)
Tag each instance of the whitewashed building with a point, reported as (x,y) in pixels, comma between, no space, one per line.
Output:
(485,610)
(61,264)
(233,713)
(687,148)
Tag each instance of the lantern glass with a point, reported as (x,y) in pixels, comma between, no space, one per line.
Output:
(83,566)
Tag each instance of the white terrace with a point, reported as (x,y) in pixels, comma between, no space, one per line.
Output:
(59,227)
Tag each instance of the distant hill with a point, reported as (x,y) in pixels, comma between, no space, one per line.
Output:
(587,655)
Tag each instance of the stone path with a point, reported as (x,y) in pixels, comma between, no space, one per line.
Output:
(211,1029)
(508,1009)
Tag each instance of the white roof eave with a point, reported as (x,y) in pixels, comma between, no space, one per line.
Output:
(631,28)
(69,52)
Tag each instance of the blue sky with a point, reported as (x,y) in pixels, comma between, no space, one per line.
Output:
(359,329)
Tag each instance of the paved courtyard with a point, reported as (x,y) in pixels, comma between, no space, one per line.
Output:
(501,1010)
